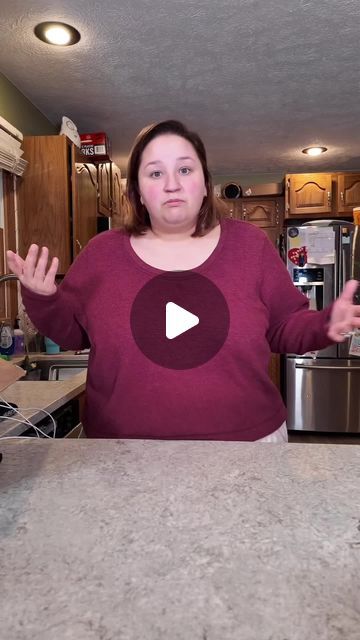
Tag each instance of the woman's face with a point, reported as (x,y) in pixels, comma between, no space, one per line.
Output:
(171,183)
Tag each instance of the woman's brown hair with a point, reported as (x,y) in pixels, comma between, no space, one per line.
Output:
(137,219)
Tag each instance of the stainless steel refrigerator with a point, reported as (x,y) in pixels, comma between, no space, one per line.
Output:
(322,389)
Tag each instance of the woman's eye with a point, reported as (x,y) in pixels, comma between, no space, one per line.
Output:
(155,174)
(185,171)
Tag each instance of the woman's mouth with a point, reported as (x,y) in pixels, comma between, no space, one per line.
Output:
(174,202)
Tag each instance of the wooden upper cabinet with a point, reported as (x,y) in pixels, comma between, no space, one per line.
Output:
(348,192)
(267,213)
(232,208)
(44,199)
(85,204)
(308,194)
(116,196)
(57,198)
(104,187)
(263,213)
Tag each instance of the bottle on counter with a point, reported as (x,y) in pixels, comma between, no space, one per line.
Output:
(7,342)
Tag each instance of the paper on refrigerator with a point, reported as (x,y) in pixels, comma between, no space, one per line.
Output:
(320,244)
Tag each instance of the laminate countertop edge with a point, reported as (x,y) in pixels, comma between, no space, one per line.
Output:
(35,397)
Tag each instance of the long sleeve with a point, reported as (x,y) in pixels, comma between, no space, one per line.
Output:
(59,316)
(293,328)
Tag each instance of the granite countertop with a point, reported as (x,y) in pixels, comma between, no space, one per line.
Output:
(39,394)
(150,540)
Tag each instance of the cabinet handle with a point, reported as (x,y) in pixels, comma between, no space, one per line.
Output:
(329,197)
(244,213)
(342,196)
(78,243)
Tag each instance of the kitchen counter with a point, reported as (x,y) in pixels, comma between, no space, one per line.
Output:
(150,540)
(39,394)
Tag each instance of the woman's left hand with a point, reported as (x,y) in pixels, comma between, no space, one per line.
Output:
(345,315)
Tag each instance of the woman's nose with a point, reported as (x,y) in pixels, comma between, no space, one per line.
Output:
(172,182)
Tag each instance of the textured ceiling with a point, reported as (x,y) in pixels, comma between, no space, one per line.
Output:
(258,79)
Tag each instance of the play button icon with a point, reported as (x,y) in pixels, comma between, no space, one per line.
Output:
(179,320)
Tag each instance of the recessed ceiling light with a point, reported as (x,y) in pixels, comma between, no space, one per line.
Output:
(57,33)
(314,151)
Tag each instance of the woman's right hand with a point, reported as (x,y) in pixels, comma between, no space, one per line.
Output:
(32,272)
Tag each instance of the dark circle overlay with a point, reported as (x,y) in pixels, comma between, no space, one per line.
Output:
(193,292)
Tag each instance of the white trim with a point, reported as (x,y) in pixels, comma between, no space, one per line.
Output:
(9,128)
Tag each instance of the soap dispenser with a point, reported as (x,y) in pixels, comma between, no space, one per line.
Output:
(7,341)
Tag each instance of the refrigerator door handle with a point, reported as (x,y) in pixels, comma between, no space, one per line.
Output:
(327,367)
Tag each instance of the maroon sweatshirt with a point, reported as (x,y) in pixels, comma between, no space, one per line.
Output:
(230,397)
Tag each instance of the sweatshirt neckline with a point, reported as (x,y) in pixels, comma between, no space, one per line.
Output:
(199,269)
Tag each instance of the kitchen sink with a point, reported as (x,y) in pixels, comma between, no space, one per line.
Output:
(55,368)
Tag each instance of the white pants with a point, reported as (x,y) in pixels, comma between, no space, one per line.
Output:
(280,435)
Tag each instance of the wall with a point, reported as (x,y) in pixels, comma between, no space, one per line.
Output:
(246,180)
(21,113)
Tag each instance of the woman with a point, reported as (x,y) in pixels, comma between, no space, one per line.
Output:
(174,228)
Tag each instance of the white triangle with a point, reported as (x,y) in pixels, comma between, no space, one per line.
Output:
(178,320)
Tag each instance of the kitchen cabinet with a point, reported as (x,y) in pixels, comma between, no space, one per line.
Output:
(119,202)
(117,198)
(57,198)
(317,195)
(86,201)
(347,193)
(116,191)
(308,195)
(266,213)
(104,178)
(232,208)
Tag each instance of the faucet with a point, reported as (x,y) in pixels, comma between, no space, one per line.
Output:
(8,276)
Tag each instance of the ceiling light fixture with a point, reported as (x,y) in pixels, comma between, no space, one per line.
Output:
(314,151)
(57,33)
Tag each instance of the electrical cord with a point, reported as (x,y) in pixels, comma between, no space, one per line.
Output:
(26,420)
(37,429)
(42,411)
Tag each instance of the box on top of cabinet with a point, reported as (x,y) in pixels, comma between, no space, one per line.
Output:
(95,146)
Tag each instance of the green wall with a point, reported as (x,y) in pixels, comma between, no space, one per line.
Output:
(21,113)
(249,179)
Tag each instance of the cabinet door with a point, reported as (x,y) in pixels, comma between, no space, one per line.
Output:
(348,192)
(116,197)
(44,197)
(308,194)
(262,213)
(84,205)
(232,208)
(104,185)
(44,202)
(267,214)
